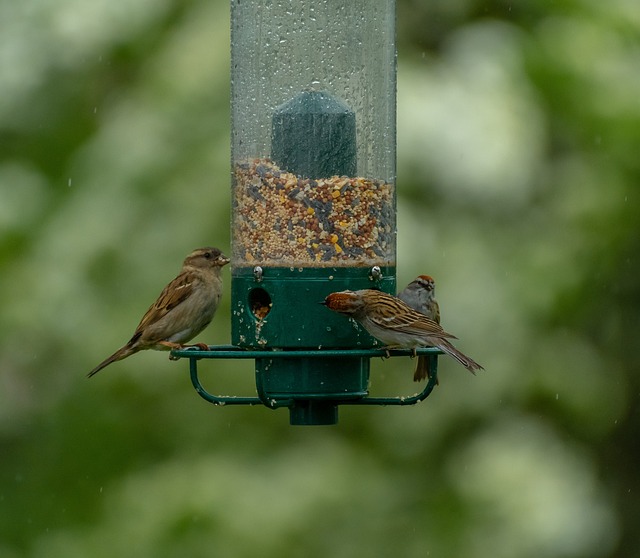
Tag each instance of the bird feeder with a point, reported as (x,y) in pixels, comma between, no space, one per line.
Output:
(314,199)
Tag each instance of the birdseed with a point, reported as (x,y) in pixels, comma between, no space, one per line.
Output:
(283,219)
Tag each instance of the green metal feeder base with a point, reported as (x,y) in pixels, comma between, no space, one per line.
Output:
(278,307)
(311,383)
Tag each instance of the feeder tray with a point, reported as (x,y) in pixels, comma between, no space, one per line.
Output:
(311,395)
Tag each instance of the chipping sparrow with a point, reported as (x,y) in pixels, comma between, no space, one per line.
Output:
(420,294)
(394,323)
(183,309)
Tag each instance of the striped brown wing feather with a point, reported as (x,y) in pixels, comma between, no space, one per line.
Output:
(406,320)
(173,295)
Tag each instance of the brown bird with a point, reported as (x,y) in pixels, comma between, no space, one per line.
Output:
(420,294)
(395,323)
(183,309)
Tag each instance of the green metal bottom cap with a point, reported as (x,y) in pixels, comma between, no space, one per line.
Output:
(327,378)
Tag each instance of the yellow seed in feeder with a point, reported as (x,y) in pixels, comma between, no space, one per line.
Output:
(335,194)
(338,248)
(310,210)
(333,238)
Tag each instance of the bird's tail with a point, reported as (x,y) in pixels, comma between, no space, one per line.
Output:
(423,369)
(121,353)
(470,364)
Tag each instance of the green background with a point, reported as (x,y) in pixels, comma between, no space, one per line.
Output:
(518,174)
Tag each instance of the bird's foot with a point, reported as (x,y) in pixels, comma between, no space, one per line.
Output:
(387,350)
(170,345)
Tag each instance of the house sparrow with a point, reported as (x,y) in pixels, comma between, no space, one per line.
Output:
(183,309)
(394,323)
(420,294)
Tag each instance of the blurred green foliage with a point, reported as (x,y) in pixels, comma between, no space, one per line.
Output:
(518,172)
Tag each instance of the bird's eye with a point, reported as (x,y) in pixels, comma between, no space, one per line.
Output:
(207,255)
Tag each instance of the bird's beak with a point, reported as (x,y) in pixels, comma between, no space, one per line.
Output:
(323,302)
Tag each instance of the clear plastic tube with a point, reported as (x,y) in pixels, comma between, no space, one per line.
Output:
(313,133)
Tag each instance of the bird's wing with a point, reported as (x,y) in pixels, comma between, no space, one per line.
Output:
(411,322)
(174,294)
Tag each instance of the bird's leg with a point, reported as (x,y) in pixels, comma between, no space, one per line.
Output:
(414,353)
(387,353)
(201,346)
(170,345)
